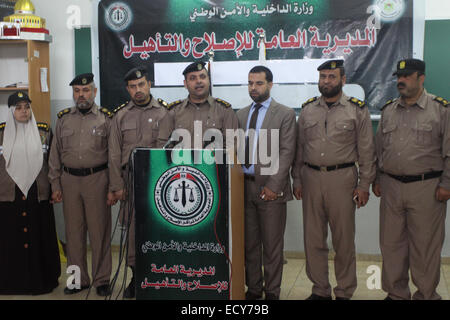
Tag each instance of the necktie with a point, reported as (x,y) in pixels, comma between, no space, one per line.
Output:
(252,125)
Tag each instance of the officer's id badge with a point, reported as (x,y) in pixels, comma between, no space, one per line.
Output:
(97,131)
(42,138)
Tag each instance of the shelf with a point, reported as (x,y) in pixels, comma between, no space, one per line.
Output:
(4,89)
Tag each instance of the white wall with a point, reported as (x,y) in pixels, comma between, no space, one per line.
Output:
(437,10)
(62,53)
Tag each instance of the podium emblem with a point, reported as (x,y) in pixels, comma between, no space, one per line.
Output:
(184,196)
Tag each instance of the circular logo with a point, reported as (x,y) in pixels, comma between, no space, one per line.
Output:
(118,16)
(184,196)
(390,10)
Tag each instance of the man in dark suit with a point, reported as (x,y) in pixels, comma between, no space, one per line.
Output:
(269,126)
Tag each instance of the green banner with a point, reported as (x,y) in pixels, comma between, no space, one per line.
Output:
(371,35)
(182,245)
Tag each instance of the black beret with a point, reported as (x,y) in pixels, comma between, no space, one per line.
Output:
(135,73)
(331,65)
(17,97)
(409,66)
(82,79)
(193,67)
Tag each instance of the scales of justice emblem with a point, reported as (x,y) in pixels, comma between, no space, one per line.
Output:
(184,196)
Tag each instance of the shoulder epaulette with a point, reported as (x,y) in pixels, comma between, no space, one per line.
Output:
(2,125)
(120,107)
(43,126)
(442,101)
(309,101)
(63,112)
(223,102)
(388,103)
(163,103)
(173,104)
(357,102)
(106,112)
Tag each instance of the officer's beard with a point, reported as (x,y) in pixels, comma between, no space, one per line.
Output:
(142,102)
(331,92)
(84,105)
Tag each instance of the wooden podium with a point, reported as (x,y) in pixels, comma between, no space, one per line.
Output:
(189,209)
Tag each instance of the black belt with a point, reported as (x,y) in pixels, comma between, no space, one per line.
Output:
(330,168)
(420,177)
(249,177)
(86,171)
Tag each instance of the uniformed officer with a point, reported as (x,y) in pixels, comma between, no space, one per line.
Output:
(413,151)
(333,169)
(142,122)
(79,178)
(200,110)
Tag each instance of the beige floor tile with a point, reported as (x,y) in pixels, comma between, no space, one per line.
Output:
(295,284)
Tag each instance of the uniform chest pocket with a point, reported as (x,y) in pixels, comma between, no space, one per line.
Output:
(423,133)
(343,131)
(129,132)
(67,138)
(388,132)
(152,130)
(311,129)
(100,138)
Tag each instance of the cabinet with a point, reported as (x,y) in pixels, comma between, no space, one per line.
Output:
(23,62)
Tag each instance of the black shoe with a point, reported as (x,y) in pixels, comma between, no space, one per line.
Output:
(314,296)
(271,296)
(388,298)
(130,291)
(342,298)
(74,290)
(252,296)
(103,290)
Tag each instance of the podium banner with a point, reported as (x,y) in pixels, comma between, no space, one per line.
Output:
(182,225)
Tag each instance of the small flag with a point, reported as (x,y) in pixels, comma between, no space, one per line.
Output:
(210,61)
(262,49)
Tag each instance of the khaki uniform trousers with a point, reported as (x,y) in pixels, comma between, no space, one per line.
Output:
(265,223)
(86,211)
(412,231)
(328,199)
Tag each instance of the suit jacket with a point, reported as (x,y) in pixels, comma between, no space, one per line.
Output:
(282,118)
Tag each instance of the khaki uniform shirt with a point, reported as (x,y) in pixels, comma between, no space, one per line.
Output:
(7,185)
(212,114)
(81,141)
(132,127)
(413,140)
(339,134)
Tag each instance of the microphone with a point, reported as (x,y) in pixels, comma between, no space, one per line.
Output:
(206,143)
(172,140)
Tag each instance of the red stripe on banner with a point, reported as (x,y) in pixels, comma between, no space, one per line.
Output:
(35,30)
